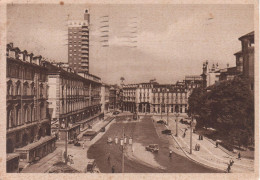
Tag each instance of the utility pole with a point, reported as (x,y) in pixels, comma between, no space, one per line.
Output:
(123,157)
(161,111)
(191,134)
(66,141)
(167,114)
(177,114)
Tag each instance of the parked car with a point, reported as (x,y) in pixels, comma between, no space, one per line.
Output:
(91,166)
(103,129)
(89,135)
(161,122)
(167,131)
(134,116)
(185,121)
(116,112)
(152,147)
(109,140)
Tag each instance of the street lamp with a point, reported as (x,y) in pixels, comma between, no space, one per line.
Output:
(123,142)
(192,126)
(177,114)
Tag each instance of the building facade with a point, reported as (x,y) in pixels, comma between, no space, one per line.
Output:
(78,44)
(130,97)
(74,100)
(158,98)
(248,52)
(28,120)
(105,97)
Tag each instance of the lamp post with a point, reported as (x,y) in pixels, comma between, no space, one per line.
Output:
(123,142)
(177,114)
(192,126)
(167,114)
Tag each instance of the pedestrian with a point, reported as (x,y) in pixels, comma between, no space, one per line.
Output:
(216,144)
(239,155)
(228,169)
(198,147)
(170,154)
(184,134)
(108,157)
(113,169)
(201,137)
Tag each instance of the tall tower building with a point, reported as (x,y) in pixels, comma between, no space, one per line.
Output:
(78,44)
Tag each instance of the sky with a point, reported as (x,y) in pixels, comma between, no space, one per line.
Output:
(166,42)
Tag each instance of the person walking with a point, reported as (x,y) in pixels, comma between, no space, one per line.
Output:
(113,169)
(108,157)
(216,144)
(228,168)
(170,154)
(239,156)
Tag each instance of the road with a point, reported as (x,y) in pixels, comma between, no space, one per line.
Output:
(144,132)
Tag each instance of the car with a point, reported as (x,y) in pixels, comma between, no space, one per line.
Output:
(161,121)
(89,135)
(116,112)
(167,131)
(103,129)
(152,148)
(109,140)
(185,121)
(134,116)
(91,166)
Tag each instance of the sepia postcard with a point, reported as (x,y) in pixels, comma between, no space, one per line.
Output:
(129,89)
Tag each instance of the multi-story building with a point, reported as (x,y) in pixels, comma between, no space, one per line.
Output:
(129,97)
(78,44)
(247,42)
(28,121)
(105,97)
(153,97)
(74,100)
(112,98)
(210,75)
(244,65)
(143,96)
(169,98)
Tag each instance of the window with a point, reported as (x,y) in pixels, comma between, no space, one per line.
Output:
(9,89)
(18,89)
(70,54)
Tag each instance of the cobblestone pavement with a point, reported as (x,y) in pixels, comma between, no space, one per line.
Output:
(208,154)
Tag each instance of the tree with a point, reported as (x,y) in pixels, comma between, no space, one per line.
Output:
(228,107)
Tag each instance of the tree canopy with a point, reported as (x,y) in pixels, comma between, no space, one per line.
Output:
(227,106)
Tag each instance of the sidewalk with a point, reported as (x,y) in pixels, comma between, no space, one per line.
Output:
(79,154)
(208,155)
